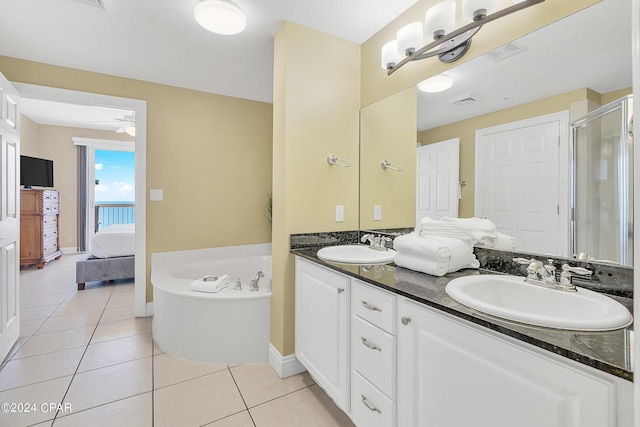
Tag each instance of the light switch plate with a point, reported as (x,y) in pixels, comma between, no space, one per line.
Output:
(339,213)
(377,213)
(156,195)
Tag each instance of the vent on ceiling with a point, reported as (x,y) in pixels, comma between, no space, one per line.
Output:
(463,99)
(506,51)
(98,3)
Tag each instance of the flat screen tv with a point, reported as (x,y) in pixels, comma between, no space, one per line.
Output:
(35,172)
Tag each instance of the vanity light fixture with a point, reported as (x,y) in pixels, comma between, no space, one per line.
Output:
(448,44)
(220,17)
(436,84)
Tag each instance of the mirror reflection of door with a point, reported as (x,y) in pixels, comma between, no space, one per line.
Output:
(517,175)
(437,183)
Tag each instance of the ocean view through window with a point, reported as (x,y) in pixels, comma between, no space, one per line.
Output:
(114,188)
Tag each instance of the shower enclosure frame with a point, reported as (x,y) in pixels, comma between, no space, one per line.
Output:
(624,173)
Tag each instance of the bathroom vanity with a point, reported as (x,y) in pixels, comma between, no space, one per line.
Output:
(391,348)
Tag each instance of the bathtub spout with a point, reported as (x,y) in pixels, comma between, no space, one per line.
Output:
(253,286)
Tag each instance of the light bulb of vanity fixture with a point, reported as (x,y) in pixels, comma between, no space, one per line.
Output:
(220,17)
(474,10)
(436,84)
(390,56)
(410,38)
(440,19)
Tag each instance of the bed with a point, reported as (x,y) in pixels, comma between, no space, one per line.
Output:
(111,256)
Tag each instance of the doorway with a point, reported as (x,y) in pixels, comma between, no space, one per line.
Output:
(139,107)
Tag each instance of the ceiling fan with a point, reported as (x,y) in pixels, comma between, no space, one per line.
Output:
(129,126)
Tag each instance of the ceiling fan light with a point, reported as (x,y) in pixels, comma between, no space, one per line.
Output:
(435,84)
(220,17)
(473,10)
(440,19)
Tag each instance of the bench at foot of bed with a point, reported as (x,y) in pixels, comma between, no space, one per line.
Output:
(92,269)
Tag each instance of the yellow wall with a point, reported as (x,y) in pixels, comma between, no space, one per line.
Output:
(28,137)
(377,85)
(388,132)
(465,130)
(210,153)
(316,106)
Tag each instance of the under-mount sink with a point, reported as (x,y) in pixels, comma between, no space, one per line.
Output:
(510,297)
(356,254)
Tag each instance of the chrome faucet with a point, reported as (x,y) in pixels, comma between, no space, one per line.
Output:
(253,285)
(545,274)
(376,242)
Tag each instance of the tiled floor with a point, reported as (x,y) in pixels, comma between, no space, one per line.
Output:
(84,360)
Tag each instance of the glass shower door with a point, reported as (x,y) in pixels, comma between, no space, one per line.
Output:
(601,187)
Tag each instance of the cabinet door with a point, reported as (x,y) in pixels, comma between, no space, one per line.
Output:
(452,373)
(322,328)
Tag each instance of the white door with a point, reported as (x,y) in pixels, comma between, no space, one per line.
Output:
(517,184)
(437,174)
(9,217)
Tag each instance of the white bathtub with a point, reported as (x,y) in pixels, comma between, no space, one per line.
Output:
(230,326)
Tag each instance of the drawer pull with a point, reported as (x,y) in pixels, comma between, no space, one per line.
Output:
(369,406)
(340,290)
(369,345)
(370,307)
(405,320)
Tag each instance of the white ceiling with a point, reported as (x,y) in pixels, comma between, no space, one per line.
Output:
(591,48)
(159,41)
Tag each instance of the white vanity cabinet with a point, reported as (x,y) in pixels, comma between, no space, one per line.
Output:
(452,373)
(322,328)
(373,356)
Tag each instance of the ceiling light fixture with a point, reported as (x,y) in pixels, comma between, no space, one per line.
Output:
(436,84)
(448,44)
(220,17)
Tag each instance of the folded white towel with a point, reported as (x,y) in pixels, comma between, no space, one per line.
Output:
(505,242)
(473,223)
(435,255)
(427,247)
(206,284)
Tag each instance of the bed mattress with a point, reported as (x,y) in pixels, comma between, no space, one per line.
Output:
(116,240)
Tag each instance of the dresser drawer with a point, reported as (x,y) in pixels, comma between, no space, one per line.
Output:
(370,407)
(373,355)
(50,209)
(49,221)
(50,246)
(50,234)
(374,305)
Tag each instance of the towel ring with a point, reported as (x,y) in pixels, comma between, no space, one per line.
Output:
(386,164)
(337,161)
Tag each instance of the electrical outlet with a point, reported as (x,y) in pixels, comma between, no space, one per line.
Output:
(377,213)
(339,213)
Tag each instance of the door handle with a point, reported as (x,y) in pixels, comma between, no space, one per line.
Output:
(405,320)
(340,290)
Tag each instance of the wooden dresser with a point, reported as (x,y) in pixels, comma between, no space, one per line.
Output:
(39,227)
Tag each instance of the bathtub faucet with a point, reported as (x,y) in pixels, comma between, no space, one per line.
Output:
(253,286)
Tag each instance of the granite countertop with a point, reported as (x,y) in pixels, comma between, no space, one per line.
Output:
(609,351)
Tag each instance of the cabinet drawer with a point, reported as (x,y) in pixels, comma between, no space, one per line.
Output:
(376,306)
(50,221)
(50,209)
(50,246)
(373,354)
(370,407)
(50,234)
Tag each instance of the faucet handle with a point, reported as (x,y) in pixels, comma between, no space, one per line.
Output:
(580,271)
(523,261)
(366,237)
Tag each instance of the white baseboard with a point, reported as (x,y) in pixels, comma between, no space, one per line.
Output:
(284,366)
(149,309)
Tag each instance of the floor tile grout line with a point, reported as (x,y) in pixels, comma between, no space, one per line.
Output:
(281,396)
(80,362)
(241,395)
(187,380)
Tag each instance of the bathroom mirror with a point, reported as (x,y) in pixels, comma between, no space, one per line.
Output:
(575,65)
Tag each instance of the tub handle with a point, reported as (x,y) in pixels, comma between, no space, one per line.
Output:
(340,290)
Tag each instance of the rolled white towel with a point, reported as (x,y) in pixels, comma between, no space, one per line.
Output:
(205,284)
